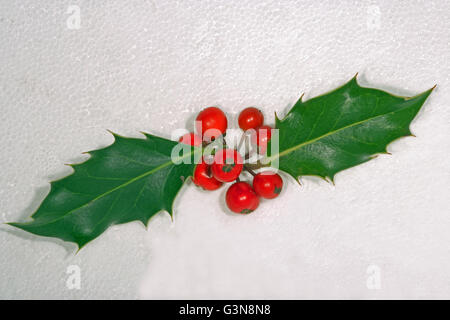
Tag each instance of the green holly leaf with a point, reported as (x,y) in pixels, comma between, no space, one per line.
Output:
(342,129)
(132,179)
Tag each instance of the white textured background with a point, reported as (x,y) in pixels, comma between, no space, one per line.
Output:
(151,65)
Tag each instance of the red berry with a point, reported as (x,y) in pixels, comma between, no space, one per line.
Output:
(191,139)
(250,118)
(211,118)
(227,165)
(203,177)
(262,138)
(267,184)
(241,198)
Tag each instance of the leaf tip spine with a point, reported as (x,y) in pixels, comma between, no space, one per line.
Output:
(112,132)
(71,165)
(301,97)
(354,79)
(276,117)
(144,223)
(79,247)
(330,179)
(147,135)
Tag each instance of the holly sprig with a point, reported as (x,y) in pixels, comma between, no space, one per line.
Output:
(134,179)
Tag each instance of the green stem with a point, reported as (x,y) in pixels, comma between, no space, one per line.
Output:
(257,165)
(250,170)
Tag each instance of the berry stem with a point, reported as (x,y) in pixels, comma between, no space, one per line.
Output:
(257,165)
(246,167)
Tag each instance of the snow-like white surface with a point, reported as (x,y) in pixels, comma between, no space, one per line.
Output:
(151,65)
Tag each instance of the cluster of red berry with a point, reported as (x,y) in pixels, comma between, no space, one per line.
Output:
(227,164)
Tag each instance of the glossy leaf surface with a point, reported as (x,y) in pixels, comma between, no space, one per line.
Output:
(342,129)
(132,179)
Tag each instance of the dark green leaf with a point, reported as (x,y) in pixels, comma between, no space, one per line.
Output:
(342,129)
(132,179)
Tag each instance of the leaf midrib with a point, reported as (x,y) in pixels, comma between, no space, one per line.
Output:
(291,149)
(123,185)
